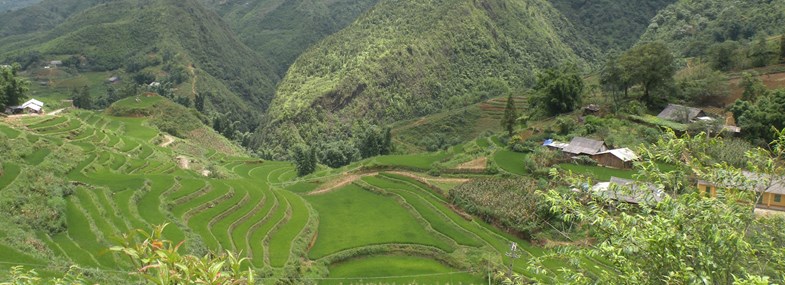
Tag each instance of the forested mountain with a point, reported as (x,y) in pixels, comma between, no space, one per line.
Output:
(691,27)
(410,58)
(167,40)
(40,16)
(611,24)
(9,5)
(281,30)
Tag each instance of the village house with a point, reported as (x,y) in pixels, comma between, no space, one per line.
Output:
(628,191)
(773,189)
(585,146)
(32,106)
(554,144)
(621,158)
(681,114)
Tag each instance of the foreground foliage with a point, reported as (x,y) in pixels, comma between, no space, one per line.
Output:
(685,239)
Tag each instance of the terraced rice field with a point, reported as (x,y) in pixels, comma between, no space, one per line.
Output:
(125,182)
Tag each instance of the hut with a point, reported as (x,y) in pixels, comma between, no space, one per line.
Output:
(681,114)
(628,191)
(621,158)
(584,146)
(771,188)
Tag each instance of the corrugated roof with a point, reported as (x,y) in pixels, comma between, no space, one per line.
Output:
(581,145)
(675,112)
(628,191)
(32,102)
(625,154)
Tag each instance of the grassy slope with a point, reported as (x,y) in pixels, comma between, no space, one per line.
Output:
(375,69)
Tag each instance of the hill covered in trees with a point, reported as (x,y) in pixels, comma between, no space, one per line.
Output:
(691,28)
(611,24)
(281,30)
(166,41)
(407,59)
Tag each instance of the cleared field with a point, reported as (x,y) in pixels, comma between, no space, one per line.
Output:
(381,218)
(379,269)
(9,132)
(510,161)
(420,161)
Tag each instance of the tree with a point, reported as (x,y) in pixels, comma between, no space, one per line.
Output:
(81,98)
(651,65)
(12,88)
(723,55)
(614,80)
(757,118)
(760,53)
(699,84)
(373,140)
(304,159)
(684,239)
(753,86)
(559,90)
(510,116)
(782,48)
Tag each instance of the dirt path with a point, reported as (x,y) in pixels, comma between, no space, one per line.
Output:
(479,163)
(167,141)
(194,78)
(55,112)
(340,182)
(349,178)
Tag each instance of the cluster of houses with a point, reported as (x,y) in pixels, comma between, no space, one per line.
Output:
(772,190)
(32,106)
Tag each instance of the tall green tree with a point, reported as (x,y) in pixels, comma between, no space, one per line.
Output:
(510,116)
(614,81)
(651,65)
(753,86)
(782,48)
(559,90)
(304,159)
(81,98)
(12,87)
(760,53)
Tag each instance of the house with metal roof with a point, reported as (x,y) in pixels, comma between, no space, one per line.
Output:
(681,114)
(584,146)
(628,191)
(617,158)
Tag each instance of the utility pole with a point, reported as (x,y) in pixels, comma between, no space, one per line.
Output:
(513,255)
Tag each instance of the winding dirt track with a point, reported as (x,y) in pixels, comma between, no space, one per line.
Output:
(349,178)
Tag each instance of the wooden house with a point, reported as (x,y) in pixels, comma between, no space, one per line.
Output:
(681,114)
(584,146)
(621,158)
(772,189)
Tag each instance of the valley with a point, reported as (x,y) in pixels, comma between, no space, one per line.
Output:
(392,142)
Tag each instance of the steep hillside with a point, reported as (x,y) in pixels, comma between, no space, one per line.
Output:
(410,58)
(164,36)
(281,30)
(690,27)
(38,15)
(10,5)
(611,24)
